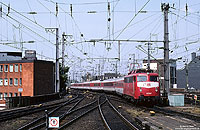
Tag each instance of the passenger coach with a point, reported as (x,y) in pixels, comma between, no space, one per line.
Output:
(139,85)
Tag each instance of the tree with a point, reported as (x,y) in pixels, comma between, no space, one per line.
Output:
(63,78)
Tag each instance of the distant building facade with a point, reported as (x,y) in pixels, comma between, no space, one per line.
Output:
(26,77)
(191,71)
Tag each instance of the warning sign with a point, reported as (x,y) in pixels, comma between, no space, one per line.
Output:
(53,122)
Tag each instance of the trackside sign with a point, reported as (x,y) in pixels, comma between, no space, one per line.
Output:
(53,122)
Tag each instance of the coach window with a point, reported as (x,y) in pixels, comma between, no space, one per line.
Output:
(130,79)
(126,80)
(1,82)
(1,68)
(5,82)
(6,68)
(154,78)
(141,78)
(108,84)
(134,79)
(11,68)
(16,67)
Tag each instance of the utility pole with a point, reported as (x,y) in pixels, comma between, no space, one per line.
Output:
(57,63)
(118,58)
(119,51)
(186,69)
(165,8)
(148,64)
(99,70)
(63,48)
(57,76)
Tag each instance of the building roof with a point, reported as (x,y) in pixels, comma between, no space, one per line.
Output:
(25,61)
(13,53)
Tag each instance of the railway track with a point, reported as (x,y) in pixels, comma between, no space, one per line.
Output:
(78,113)
(12,114)
(111,116)
(40,122)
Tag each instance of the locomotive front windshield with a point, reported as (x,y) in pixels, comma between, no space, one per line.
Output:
(154,78)
(141,78)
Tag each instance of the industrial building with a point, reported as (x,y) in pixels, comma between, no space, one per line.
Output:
(25,77)
(188,77)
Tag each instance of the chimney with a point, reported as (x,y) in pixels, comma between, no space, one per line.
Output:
(193,55)
(30,55)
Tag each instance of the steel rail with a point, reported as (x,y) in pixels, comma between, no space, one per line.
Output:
(78,117)
(10,114)
(65,114)
(103,118)
(133,127)
(41,118)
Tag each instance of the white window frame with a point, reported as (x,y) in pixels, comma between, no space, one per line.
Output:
(5,68)
(10,94)
(11,67)
(20,67)
(5,96)
(6,82)
(15,94)
(1,82)
(1,96)
(16,67)
(10,82)
(20,81)
(1,68)
(16,83)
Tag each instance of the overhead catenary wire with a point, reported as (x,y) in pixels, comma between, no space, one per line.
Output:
(132,19)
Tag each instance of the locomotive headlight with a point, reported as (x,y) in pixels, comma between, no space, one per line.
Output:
(140,89)
(156,89)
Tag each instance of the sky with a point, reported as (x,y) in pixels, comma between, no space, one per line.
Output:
(23,26)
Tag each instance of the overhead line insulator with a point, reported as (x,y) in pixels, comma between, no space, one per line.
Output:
(56,9)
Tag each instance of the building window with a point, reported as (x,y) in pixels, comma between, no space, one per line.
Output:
(10,94)
(11,68)
(16,82)
(1,68)
(11,81)
(16,67)
(6,68)
(5,82)
(5,96)
(1,82)
(15,94)
(20,67)
(1,96)
(20,81)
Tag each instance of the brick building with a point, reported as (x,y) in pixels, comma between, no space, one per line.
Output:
(26,77)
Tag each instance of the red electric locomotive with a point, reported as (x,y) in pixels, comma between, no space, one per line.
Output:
(139,85)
